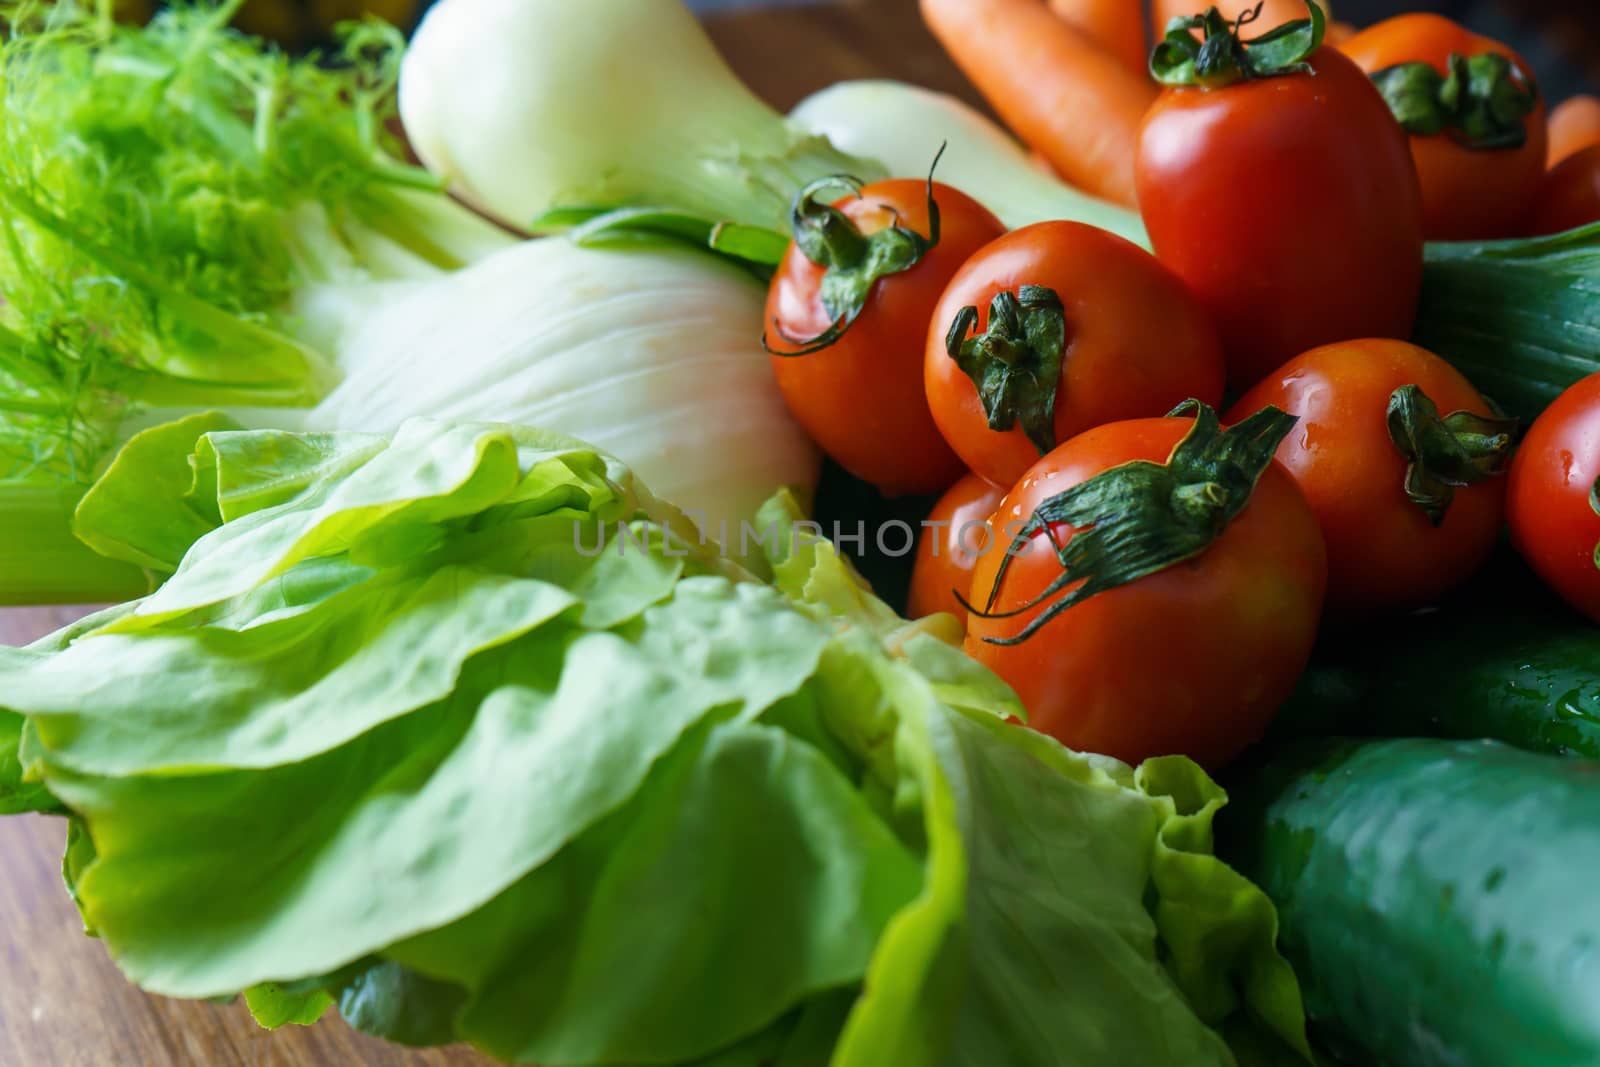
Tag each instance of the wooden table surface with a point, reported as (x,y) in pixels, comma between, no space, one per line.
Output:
(62,1002)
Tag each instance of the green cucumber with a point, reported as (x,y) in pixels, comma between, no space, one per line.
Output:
(1504,660)
(1437,898)
(1519,318)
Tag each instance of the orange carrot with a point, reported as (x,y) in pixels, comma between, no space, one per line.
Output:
(1068,98)
(1574,126)
(1115,25)
(1274,13)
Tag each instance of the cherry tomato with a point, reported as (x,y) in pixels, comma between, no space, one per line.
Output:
(1290,205)
(1570,195)
(956,533)
(1192,659)
(861,397)
(1110,332)
(1553,522)
(1384,550)
(1477,180)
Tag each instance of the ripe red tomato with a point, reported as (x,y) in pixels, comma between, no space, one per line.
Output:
(1553,521)
(1478,182)
(1192,659)
(861,397)
(1290,205)
(1117,337)
(1570,195)
(955,534)
(1384,550)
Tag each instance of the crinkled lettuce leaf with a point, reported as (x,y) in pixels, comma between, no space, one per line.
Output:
(1039,859)
(157,466)
(466,732)
(746,858)
(1219,929)
(18,796)
(273,1006)
(423,819)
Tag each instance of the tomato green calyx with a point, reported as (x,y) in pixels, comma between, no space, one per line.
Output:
(1142,517)
(854,261)
(1016,363)
(1221,56)
(1481,102)
(1446,453)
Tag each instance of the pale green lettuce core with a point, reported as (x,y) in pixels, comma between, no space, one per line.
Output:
(465,731)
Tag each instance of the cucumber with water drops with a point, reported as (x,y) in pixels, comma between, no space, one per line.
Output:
(1522,670)
(1437,898)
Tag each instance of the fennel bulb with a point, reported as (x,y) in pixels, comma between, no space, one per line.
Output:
(194,221)
(904,125)
(533,108)
(651,354)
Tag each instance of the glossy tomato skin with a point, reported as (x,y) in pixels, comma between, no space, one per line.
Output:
(1290,206)
(1383,552)
(1137,341)
(1570,195)
(1194,659)
(1552,524)
(861,399)
(1466,193)
(955,534)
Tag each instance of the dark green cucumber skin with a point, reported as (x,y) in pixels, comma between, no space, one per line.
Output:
(1519,318)
(1438,899)
(1530,681)
(1505,660)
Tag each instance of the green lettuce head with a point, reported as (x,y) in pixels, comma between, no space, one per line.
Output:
(466,732)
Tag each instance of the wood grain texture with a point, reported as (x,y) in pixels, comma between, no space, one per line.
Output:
(785,54)
(62,1001)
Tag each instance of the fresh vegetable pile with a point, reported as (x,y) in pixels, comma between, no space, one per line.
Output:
(509,550)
